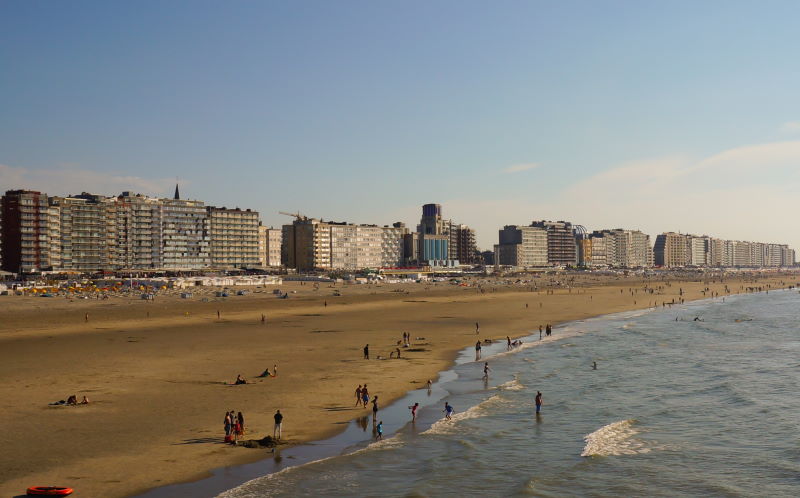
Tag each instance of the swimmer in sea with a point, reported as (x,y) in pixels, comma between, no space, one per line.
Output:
(594,365)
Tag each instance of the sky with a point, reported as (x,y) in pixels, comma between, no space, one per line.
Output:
(658,116)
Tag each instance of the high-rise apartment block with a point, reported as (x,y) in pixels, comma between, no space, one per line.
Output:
(620,248)
(27,231)
(674,250)
(522,246)
(562,248)
(233,237)
(310,244)
(87,228)
(89,232)
(460,238)
(269,246)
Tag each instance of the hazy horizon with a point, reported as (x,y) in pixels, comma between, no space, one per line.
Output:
(658,117)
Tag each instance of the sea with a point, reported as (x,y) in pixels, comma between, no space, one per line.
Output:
(700,399)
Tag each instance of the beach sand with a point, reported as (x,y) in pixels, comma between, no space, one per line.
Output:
(159,385)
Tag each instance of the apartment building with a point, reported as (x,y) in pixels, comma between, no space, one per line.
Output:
(561,246)
(181,234)
(309,244)
(137,221)
(671,250)
(27,232)
(87,232)
(269,246)
(461,245)
(233,237)
(522,246)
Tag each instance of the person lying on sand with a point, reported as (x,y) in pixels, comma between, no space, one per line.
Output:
(240,380)
(266,373)
(72,400)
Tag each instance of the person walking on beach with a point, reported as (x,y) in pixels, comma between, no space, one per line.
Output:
(366,352)
(240,419)
(538,401)
(358,395)
(477,328)
(379,430)
(364,396)
(540,332)
(448,410)
(413,409)
(227,427)
(375,406)
(276,432)
(477,350)
(486,371)
(508,341)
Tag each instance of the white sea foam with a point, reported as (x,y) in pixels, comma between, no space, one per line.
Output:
(444,426)
(383,444)
(511,385)
(614,439)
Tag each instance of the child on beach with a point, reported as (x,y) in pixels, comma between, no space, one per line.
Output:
(380,430)
(413,409)
(358,395)
(448,410)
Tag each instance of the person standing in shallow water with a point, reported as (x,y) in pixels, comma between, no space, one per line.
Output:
(448,410)
(477,350)
(538,401)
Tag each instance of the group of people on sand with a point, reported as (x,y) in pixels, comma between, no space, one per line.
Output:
(266,373)
(72,400)
(362,398)
(234,426)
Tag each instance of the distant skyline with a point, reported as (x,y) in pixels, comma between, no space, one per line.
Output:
(679,116)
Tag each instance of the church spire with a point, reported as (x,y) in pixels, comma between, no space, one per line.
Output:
(177,194)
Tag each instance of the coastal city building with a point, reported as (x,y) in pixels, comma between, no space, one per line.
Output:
(522,246)
(676,250)
(27,233)
(310,244)
(233,237)
(269,246)
(620,248)
(461,245)
(87,228)
(562,248)
(136,222)
(671,250)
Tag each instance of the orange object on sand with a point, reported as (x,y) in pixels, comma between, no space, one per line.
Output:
(48,491)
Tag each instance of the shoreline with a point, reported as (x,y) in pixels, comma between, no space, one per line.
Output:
(226,478)
(171,365)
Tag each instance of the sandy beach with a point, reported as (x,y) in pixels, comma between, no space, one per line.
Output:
(158,373)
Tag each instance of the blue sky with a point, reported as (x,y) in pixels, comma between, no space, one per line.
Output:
(652,115)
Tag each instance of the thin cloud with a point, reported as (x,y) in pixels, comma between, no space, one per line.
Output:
(791,127)
(517,168)
(73,180)
(742,193)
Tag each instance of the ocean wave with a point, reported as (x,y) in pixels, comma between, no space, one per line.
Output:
(511,385)
(445,426)
(614,439)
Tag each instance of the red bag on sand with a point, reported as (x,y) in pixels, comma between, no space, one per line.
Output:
(229,439)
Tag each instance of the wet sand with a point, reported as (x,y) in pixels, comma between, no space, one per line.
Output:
(159,389)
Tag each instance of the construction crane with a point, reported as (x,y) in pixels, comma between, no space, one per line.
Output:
(300,217)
